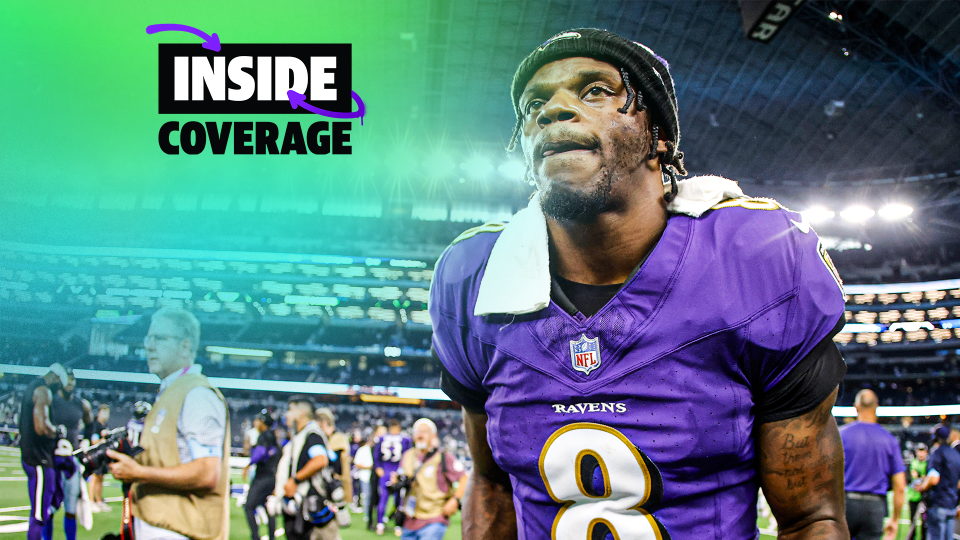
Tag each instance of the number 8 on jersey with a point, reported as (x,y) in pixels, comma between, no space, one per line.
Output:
(572,462)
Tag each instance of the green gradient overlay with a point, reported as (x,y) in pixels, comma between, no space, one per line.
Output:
(78,103)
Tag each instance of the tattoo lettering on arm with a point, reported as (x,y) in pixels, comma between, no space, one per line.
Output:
(488,512)
(801,472)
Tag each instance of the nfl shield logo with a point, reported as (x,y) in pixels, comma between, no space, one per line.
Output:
(585,354)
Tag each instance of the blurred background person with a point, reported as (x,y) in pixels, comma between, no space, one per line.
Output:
(386,459)
(356,441)
(250,435)
(431,499)
(73,413)
(374,505)
(940,485)
(93,433)
(872,466)
(363,461)
(264,457)
(135,425)
(38,441)
(340,462)
(918,469)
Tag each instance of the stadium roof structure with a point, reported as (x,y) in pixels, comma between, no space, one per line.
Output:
(827,100)
(851,94)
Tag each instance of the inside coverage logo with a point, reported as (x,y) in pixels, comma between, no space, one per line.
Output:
(309,79)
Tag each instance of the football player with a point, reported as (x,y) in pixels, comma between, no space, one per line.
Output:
(387,451)
(636,357)
(135,425)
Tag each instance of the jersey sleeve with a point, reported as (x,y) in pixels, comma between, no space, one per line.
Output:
(458,353)
(806,301)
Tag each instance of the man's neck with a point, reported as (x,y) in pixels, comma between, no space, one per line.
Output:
(606,251)
(174,370)
(867,418)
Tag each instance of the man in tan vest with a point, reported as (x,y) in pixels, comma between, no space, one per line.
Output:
(180,483)
(432,498)
(340,446)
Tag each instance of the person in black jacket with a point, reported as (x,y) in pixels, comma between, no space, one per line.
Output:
(265,456)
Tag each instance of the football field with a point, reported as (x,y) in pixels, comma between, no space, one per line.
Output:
(14,511)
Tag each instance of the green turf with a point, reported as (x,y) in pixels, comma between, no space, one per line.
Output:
(13,493)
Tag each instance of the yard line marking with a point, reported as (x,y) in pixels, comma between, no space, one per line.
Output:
(21,508)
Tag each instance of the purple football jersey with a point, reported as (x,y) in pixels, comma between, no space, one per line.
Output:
(640,418)
(388,450)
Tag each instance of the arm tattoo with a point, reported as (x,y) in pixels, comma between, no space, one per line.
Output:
(801,472)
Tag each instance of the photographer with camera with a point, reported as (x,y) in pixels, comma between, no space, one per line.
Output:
(305,478)
(340,461)
(180,482)
(38,442)
(428,476)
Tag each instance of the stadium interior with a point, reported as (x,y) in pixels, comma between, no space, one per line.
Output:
(307,284)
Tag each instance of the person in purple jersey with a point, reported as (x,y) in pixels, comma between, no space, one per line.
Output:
(634,358)
(872,466)
(387,451)
(38,442)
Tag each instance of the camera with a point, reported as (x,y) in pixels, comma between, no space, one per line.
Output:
(402,483)
(94,457)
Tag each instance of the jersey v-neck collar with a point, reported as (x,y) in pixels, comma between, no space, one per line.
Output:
(560,298)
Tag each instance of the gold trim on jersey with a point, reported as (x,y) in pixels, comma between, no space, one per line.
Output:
(489,227)
(750,203)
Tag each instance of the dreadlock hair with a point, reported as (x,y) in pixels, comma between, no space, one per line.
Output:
(631,94)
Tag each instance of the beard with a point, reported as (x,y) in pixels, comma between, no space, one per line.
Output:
(562,202)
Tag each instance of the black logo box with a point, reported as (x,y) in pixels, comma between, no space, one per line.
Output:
(303,52)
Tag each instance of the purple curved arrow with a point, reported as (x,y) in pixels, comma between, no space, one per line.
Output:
(299,100)
(211,42)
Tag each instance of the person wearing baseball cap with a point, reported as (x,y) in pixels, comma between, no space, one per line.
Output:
(38,442)
(940,485)
(265,456)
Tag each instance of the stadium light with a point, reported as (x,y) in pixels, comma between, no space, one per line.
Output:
(513,169)
(857,214)
(391,352)
(893,212)
(477,167)
(818,214)
(438,164)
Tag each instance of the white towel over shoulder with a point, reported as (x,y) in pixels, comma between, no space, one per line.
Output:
(517,277)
